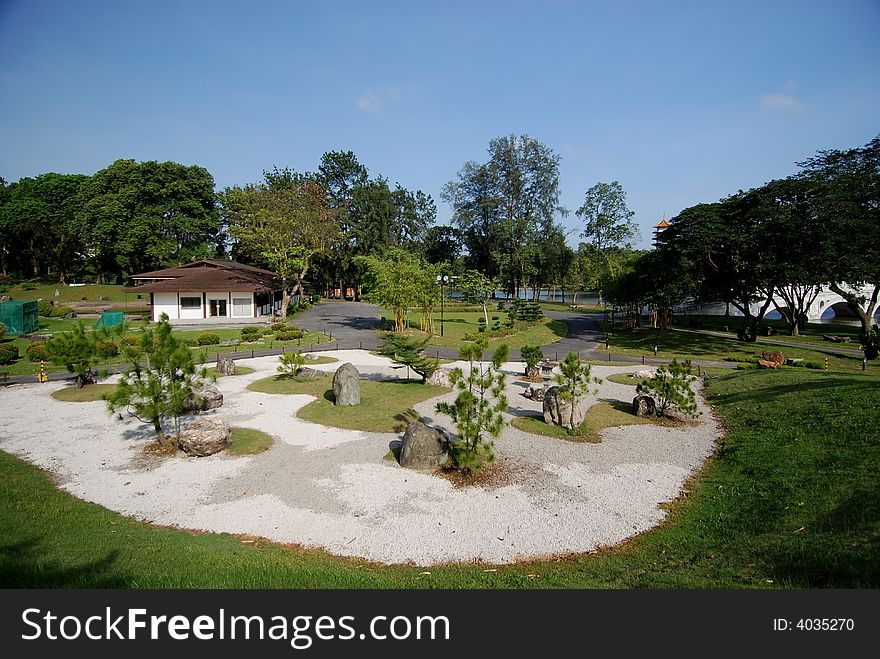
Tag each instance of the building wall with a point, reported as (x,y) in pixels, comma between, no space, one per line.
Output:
(165,303)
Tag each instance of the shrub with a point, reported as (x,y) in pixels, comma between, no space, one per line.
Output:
(106,349)
(289,334)
(279,326)
(2,330)
(671,387)
(36,352)
(47,309)
(251,333)
(208,339)
(189,342)
(8,353)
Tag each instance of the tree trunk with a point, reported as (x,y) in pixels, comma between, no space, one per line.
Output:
(285,302)
(865,314)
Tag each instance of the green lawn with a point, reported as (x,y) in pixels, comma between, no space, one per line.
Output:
(42,289)
(249,441)
(385,406)
(457,324)
(87,394)
(812,334)
(791,499)
(200,353)
(597,418)
(713,348)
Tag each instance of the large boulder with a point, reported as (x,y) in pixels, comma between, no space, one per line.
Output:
(346,385)
(205,437)
(205,397)
(558,410)
(643,405)
(424,448)
(442,377)
(226,367)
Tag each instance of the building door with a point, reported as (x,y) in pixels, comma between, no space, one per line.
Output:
(218,308)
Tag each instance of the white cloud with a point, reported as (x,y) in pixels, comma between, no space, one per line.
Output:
(374,101)
(784,99)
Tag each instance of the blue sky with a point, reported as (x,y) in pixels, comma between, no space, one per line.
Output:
(682,102)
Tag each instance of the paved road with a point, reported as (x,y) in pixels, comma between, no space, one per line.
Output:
(352,325)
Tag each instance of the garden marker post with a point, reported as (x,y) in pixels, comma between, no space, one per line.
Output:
(826,363)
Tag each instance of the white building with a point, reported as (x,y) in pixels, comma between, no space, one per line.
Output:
(210,289)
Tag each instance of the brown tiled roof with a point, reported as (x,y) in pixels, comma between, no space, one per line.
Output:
(207,275)
(663,224)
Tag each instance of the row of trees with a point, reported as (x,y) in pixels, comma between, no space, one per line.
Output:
(783,240)
(129,217)
(315,228)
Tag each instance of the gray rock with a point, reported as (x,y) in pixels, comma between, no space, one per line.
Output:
(309,372)
(346,385)
(203,398)
(558,410)
(424,448)
(643,405)
(226,367)
(205,437)
(442,377)
(536,392)
(230,342)
(645,374)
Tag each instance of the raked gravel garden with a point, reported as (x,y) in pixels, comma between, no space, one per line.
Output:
(323,487)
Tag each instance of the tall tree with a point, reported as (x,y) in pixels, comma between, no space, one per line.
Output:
(282,223)
(442,245)
(414,213)
(141,216)
(503,206)
(607,220)
(846,203)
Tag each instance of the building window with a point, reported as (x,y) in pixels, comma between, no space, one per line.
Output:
(241,306)
(190,303)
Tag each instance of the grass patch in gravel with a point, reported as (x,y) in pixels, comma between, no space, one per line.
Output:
(287,385)
(239,370)
(386,406)
(249,441)
(597,418)
(623,378)
(790,500)
(88,394)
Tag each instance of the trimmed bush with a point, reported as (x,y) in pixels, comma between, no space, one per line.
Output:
(46,309)
(2,330)
(279,326)
(289,334)
(106,349)
(8,353)
(36,352)
(251,333)
(208,339)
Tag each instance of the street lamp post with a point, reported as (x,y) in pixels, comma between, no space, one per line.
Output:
(442,279)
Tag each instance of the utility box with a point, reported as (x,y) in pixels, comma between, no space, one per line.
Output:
(111,319)
(20,317)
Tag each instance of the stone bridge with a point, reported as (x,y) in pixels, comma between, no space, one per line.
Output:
(827,306)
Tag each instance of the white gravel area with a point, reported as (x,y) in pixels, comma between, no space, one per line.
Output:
(332,488)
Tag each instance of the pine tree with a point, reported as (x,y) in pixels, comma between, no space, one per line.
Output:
(671,388)
(478,410)
(409,351)
(159,383)
(574,382)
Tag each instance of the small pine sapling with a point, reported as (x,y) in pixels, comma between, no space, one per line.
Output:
(531,356)
(409,351)
(574,382)
(478,410)
(671,388)
(291,363)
